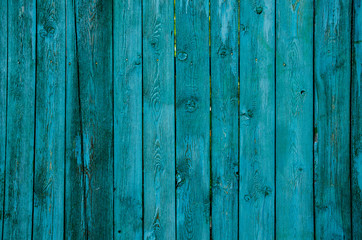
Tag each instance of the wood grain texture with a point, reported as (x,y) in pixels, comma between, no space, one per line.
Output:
(75,221)
(294,120)
(224,131)
(193,119)
(20,120)
(127,35)
(257,120)
(94,52)
(48,219)
(159,120)
(332,119)
(3,103)
(356,121)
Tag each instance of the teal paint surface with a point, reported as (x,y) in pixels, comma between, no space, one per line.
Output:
(224,118)
(257,120)
(193,119)
(294,120)
(127,37)
(158,120)
(332,119)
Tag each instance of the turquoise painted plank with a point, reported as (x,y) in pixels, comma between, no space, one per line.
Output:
(158,120)
(75,224)
(3,104)
(356,121)
(257,120)
(224,118)
(20,120)
(294,120)
(127,35)
(94,51)
(332,119)
(192,119)
(48,221)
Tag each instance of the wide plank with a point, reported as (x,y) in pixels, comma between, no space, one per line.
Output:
(20,120)
(224,118)
(127,35)
(294,120)
(257,120)
(158,120)
(332,119)
(48,222)
(192,119)
(74,207)
(94,54)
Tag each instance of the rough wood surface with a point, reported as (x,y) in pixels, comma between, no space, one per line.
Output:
(127,37)
(294,120)
(20,120)
(257,116)
(332,119)
(94,55)
(224,105)
(48,219)
(158,120)
(192,119)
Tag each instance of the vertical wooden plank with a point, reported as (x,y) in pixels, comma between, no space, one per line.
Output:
(332,119)
(294,120)
(257,119)
(224,118)
(3,104)
(94,52)
(20,120)
(159,120)
(127,119)
(48,219)
(356,121)
(75,224)
(193,119)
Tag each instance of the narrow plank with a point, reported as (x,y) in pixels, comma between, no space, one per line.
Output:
(159,120)
(50,122)
(75,224)
(127,119)
(356,121)
(3,104)
(332,119)
(294,120)
(224,118)
(257,120)
(20,120)
(94,52)
(193,119)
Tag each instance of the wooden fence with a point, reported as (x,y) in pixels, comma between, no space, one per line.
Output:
(185,119)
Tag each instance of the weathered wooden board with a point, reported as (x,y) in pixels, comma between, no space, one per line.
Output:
(158,120)
(294,120)
(224,118)
(127,35)
(94,54)
(356,121)
(75,221)
(20,120)
(332,119)
(192,119)
(3,103)
(257,120)
(48,221)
